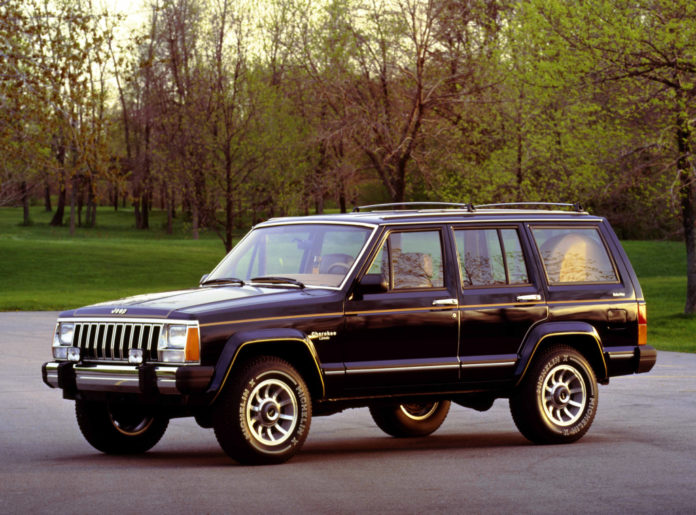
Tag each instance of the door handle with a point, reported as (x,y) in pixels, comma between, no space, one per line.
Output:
(528,298)
(445,302)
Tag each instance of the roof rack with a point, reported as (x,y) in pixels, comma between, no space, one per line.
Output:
(575,206)
(469,207)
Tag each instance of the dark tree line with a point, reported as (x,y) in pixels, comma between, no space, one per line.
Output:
(226,112)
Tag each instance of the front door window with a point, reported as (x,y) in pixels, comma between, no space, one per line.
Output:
(410,260)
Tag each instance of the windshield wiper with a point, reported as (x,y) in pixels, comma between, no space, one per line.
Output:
(271,279)
(224,280)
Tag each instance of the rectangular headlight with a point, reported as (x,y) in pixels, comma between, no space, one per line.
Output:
(64,334)
(63,340)
(179,343)
(67,331)
(177,336)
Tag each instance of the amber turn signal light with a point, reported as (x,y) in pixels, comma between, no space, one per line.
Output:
(642,324)
(193,346)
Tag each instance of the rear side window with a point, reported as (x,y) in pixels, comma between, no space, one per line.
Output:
(490,257)
(574,255)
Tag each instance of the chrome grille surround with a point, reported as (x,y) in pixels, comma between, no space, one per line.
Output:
(110,339)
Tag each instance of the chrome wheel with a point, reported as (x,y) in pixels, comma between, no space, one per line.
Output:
(410,419)
(263,415)
(119,428)
(418,411)
(556,401)
(564,395)
(130,424)
(272,412)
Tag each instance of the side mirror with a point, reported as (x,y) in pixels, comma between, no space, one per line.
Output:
(372,283)
(203,278)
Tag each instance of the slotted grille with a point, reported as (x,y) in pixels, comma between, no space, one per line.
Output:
(111,341)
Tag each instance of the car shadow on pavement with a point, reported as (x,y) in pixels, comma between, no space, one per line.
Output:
(322,450)
(388,444)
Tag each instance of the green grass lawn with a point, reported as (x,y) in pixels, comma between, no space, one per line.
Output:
(44,268)
(661,269)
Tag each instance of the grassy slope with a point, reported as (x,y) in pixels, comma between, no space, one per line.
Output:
(44,268)
(661,269)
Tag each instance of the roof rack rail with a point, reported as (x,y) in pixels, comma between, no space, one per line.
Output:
(469,207)
(575,206)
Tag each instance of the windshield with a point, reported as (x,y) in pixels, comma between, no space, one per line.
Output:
(313,254)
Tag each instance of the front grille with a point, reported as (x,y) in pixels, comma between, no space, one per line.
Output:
(111,341)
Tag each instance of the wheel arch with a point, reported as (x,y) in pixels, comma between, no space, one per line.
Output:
(292,345)
(581,336)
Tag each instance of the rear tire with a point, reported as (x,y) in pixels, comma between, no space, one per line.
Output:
(556,401)
(263,416)
(410,419)
(119,429)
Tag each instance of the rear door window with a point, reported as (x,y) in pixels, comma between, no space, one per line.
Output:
(490,257)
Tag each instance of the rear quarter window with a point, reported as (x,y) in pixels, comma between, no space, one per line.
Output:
(574,255)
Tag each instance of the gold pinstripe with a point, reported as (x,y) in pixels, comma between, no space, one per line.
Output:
(267,319)
(429,308)
(426,308)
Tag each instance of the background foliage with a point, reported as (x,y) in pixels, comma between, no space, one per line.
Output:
(220,113)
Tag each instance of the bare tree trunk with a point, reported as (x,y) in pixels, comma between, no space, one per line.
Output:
(342,194)
(91,206)
(73,188)
(25,203)
(229,205)
(146,180)
(47,196)
(170,210)
(520,149)
(145,211)
(194,220)
(136,212)
(57,219)
(688,207)
(80,203)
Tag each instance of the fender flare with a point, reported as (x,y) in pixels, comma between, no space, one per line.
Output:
(242,339)
(541,332)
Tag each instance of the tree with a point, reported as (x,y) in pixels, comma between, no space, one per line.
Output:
(643,53)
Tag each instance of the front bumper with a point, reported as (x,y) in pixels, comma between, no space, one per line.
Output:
(144,379)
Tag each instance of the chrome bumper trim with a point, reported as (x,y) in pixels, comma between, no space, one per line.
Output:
(114,378)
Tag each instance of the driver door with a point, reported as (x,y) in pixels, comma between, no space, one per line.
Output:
(406,335)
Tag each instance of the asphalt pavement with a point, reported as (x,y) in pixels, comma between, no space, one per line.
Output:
(638,457)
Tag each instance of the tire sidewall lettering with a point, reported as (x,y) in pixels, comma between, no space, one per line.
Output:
(590,406)
(302,401)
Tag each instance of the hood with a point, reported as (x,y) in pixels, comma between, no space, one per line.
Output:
(191,304)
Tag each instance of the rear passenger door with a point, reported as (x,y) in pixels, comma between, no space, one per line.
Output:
(501,297)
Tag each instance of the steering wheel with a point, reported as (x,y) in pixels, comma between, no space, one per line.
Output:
(338,268)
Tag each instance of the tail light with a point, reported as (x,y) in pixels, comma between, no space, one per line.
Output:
(642,324)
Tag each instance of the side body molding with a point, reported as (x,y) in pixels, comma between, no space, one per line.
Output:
(581,335)
(242,339)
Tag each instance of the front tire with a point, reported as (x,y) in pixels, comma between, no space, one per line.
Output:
(410,419)
(557,399)
(263,417)
(119,429)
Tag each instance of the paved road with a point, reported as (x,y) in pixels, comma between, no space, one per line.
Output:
(639,456)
